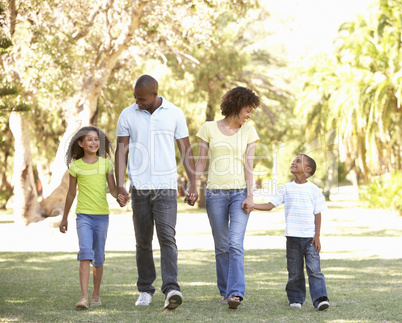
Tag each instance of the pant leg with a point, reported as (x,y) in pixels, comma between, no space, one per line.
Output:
(296,285)
(217,206)
(164,208)
(144,229)
(236,284)
(101,225)
(85,234)
(315,277)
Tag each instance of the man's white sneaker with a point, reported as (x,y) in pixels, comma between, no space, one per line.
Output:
(144,299)
(173,299)
(295,305)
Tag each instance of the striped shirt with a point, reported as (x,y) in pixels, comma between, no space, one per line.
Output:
(302,202)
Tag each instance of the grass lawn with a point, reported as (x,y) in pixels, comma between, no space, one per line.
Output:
(363,285)
(44,286)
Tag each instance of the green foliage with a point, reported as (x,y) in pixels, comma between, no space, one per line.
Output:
(384,192)
(357,91)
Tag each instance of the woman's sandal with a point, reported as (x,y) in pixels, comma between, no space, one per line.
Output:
(234,302)
(224,301)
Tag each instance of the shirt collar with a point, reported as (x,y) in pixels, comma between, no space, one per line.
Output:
(164,105)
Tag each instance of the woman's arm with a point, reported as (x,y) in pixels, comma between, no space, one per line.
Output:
(248,203)
(202,159)
(72,190)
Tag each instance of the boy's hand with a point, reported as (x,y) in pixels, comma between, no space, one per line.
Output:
(247,205)
(317,243)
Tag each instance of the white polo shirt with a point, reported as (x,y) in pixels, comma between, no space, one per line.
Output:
(152,159)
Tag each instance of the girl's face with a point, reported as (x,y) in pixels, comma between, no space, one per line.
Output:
(90,143)
(244,115)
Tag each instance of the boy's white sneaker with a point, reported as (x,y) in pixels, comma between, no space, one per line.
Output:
(322,306)
(144,299)
(295,305)
(173,299)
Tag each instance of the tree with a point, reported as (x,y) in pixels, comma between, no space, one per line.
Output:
(10,100)
(358,91)
(90,39)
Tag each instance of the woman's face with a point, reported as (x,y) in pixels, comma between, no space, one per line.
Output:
(244,115)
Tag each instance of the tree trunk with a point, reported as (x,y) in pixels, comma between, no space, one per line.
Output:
(83,109)
(26,206)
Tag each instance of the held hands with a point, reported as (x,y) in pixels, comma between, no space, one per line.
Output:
(248,204)
(122,197)
(191,195)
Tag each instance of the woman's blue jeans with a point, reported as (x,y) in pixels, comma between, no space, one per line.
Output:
(228,222)
(296,250)
(159,208)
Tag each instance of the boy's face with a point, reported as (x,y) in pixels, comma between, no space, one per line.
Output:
(299,166)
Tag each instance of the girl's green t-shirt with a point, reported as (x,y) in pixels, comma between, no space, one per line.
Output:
(91,179)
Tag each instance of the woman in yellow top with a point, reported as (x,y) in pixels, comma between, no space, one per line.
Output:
(229,146)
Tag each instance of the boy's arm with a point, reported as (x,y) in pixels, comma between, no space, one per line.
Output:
(316,239)
(264,206)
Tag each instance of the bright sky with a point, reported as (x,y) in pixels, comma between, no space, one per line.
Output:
(311,24)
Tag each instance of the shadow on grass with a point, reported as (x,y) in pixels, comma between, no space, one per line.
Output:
(44,286)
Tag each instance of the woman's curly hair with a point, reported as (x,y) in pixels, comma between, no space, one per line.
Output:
(238,98)
(75,151)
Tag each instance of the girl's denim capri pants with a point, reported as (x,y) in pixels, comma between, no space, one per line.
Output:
(92,233)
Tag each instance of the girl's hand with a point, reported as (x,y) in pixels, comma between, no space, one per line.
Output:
(122,200)
(63,226)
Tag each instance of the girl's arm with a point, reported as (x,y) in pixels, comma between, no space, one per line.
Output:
(72,190)
(264,206)
(112,184)
(248,203)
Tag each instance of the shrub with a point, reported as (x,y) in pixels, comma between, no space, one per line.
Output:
(384,192)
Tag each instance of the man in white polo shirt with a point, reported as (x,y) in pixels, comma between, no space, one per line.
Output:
(146,133)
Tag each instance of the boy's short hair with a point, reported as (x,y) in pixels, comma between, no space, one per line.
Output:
(310,163)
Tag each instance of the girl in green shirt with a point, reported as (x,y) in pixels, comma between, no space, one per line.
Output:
(91,170)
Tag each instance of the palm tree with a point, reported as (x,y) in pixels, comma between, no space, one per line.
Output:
(359,91)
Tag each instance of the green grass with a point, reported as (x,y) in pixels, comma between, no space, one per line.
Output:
(44,286)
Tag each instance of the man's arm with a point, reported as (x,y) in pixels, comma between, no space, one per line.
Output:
(121,158)
(187,158)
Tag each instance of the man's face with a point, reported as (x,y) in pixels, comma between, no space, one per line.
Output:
(145,98)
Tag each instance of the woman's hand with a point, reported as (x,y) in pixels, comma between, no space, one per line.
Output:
(248,204)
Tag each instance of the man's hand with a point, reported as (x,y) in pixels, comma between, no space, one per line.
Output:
(122,196)
(191,194)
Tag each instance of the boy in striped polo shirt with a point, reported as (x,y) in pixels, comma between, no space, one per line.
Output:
(304,203)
